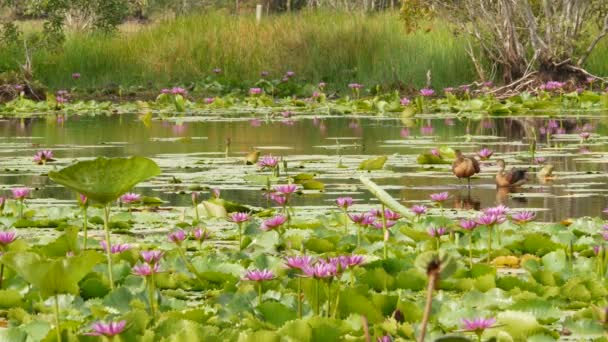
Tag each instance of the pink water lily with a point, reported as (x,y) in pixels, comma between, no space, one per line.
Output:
(468,224)
(585,135)
(355,86)
(259,275)
(298,262)
(344,202)
(378,224)
(488,219)
(44,156)
(108,329)
(209,100)
(426,92)
(286,189)
(523,216)
(178,91)
(20,193)
(435,152)
(7,237)
(75,75)
(152,256)
(320,270)
(485,153)
(437,232)
(478,324)
(116,248)
(418,209)
(439,197)
(130,197)
(177,236)
(145,270)
(404,101)
(279,199)
(268,162)
(273,223)
(239,217)
(497,210)
(200,235)
(255,91)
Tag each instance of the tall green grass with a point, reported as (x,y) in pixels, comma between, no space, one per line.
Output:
(338,48)
(334,47)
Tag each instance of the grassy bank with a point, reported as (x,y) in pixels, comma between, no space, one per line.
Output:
(338,48)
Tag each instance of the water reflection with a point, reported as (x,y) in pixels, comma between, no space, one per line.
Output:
(576,190)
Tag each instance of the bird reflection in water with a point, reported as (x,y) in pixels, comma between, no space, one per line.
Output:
(466,201)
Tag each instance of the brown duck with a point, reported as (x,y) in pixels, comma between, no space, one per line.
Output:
(513,177)
(465,167)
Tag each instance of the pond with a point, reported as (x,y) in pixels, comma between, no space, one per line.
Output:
(211,152)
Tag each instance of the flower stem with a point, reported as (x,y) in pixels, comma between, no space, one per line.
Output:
(318,299)
(85,225)
(152,290)
(433,277)
(240,224)
(57,327)
(489,243)
(358,236)
(21,208)
(471,250)
(385,233)
(328,298)
(300,297)
(189,265)
(106,228)
(259,293)
(1,275)
(345,221)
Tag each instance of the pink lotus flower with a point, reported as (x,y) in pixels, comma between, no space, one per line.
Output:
(488,219)
(437,232)
(298,262)
(585,135)
(391,215)
(41,157)
(405,132)
(488,84)
(468,224)
(347,261)
(378,224)
(384,338)
(215,193)
(316,94)
(426,92)
(145,270)
(116,248)
(404,101)
(107,329)
(286,189)
(268,162)
(165,91)
(290,73)
(497,210)
(259,275)
(83,200)
(286,114)
(239,217)
(209,100)
(355,86)
(597,249)
(448,90)
(478,324)
(322,85)
(426,130)
(539,160)
(485,153)
(61,99)
(130,197)
(273,223)
(255,91)
(279,199)
(523,216)
(435,152)
(75,75)
(320,270)
(152,256)
(178,91)
(177,236)
(439,197)
(344,202)
(418,209)
(20,193)
(552,85)
(200,234)
(7,237)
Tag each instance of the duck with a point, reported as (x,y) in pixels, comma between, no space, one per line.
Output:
(511,178)
(546,173)
(465,167)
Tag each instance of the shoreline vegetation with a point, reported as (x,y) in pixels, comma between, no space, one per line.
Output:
(337,48)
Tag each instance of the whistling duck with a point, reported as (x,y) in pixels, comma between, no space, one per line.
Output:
(465,167)
(513,177)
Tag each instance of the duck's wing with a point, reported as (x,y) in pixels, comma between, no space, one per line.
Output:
(516,175)
(476,165)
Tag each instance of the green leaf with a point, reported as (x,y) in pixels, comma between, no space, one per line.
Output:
(352,302)
(52,276)
(373,164)
(10,299)
(105,179)
(313,185)
(276,313)
(430,159)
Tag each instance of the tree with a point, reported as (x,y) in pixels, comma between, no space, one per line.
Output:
(527,40)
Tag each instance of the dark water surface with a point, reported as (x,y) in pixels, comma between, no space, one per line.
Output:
(195,152)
